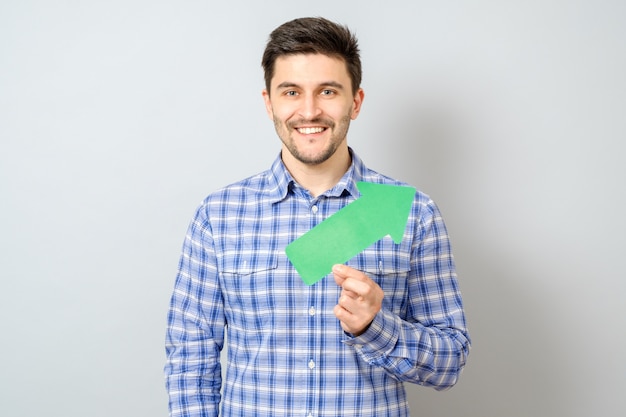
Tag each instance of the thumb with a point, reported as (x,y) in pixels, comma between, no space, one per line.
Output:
(338,272)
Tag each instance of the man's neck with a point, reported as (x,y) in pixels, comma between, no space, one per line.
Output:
(319,178)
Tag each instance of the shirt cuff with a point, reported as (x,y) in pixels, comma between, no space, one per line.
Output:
(380,338)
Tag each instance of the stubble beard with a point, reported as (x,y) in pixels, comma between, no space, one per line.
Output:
(285,130)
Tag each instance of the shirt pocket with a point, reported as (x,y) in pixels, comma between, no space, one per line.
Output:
(247,290)
(389,265)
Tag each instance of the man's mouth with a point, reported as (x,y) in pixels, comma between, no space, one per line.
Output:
(310,130)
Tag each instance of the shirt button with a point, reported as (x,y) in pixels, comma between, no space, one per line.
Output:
(311,311)
(311,364)
(314,209)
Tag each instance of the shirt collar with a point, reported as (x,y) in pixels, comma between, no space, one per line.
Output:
(283,181)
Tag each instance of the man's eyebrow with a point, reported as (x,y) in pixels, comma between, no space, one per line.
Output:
(334,84)
(286,84)
(289,84)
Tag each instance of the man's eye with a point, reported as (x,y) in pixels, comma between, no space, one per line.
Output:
(327,92)
(291,93)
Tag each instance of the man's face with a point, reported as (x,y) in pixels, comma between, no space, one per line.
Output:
(311,103)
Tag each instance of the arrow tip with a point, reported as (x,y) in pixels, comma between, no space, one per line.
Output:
(392,202)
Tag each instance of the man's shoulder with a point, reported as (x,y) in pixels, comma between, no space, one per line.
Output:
(253,187)
(369,175)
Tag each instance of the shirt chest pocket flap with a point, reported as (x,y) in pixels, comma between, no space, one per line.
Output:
(247,287)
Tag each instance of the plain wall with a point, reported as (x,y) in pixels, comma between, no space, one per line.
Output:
(118,117)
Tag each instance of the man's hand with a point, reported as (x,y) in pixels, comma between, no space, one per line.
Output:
(360,299)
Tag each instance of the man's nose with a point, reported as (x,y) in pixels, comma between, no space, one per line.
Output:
(310,108)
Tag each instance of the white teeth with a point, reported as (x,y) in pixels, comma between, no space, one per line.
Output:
(310,130)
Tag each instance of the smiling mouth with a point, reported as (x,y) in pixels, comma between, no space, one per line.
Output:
(310,130)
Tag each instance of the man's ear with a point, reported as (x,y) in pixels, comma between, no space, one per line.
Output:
(268,104)
(356,105)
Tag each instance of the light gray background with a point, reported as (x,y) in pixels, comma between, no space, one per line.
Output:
(118,117)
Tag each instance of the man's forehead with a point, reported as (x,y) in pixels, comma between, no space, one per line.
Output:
(290,70)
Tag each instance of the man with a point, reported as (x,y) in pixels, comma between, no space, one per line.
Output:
(345,345)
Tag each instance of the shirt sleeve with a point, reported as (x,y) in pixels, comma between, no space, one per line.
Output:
(195,328)
(431,344)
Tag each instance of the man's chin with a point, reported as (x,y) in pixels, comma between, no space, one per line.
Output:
(311,161)
(314,158)
(310,156)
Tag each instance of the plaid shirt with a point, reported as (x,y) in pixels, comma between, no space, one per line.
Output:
(286,352)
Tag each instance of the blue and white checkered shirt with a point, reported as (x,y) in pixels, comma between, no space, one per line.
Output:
(286,352)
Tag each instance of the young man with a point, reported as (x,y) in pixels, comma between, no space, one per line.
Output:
(345,345)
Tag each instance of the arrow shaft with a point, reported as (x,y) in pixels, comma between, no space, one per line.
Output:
(351,230)
(339,236)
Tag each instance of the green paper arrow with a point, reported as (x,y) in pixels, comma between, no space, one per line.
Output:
(381,210)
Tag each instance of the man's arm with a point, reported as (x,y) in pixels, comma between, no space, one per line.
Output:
(195,328)
(430,345)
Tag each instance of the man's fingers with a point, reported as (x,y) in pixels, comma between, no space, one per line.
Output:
(344,271)
(359,301)
(351,279)
(350,294)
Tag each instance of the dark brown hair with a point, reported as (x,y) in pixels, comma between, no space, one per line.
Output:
(313,35)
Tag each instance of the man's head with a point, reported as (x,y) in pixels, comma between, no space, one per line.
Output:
(313,73)
(313,35)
